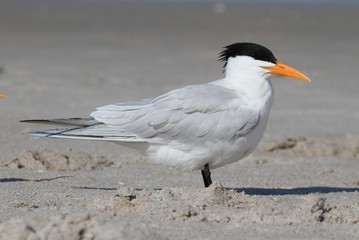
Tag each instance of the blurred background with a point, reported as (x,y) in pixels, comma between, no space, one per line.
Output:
(65,58)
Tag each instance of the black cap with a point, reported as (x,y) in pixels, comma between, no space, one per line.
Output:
(253,50)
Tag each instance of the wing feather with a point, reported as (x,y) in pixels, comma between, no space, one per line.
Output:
(183,115)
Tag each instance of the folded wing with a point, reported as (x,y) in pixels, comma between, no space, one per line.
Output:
(193,114)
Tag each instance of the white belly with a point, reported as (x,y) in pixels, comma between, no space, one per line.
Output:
(215,153)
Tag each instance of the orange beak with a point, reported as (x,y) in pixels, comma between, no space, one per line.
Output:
(2,95)
(285,70)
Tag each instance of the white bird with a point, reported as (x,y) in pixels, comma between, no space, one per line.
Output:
(197,127)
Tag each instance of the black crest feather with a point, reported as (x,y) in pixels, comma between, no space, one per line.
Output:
(253,50)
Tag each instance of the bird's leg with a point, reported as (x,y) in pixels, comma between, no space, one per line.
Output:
(206,174)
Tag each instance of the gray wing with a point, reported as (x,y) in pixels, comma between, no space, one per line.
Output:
(195,112)
(191,114)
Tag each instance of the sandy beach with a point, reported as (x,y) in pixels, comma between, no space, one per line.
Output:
(65,58)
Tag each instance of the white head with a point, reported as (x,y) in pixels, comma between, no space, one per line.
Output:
(250,60)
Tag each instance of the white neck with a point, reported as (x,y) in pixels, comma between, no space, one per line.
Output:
(249,80)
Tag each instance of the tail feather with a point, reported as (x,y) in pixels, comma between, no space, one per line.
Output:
(88,129)
(81,122)
(64,133)
(52,132)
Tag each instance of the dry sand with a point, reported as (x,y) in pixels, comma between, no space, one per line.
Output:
(65,59)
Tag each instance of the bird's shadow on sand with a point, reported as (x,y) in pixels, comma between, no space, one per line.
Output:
(293,191)
(261,191)
(7,180)
(247,191)
(95,188)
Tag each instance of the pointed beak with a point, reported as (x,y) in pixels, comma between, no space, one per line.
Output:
(2,95)
(286,70)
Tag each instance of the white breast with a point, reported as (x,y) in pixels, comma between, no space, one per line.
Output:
(217,152)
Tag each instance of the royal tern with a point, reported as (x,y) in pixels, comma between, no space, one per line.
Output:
(198,127)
